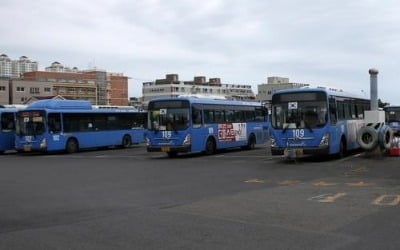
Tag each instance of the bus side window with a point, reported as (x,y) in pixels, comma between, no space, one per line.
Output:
(7,121)
(332,111)
(54,123)
(196,118)
(208,116)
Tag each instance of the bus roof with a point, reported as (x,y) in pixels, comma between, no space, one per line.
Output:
(199,100)
(324,90)
(393,107)
(5,110)
(61,104)
(74,106)
(16,106)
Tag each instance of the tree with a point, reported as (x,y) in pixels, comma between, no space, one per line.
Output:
(382,104)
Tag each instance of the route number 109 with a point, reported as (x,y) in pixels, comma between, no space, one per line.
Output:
(298,133)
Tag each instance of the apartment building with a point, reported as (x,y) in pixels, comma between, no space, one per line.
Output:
(58,67)
(15,68)
(5,66)
(171,86)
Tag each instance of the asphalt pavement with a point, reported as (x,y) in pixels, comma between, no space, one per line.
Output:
(131,199)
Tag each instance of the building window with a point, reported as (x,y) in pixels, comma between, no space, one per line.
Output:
(20,89)
(2,88)
(34,90)
(47,89)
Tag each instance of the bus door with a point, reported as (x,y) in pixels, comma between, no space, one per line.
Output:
(54,129)
(202,128)
(7,130)
(335,128)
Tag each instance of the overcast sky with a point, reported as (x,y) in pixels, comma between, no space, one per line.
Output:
(327,43)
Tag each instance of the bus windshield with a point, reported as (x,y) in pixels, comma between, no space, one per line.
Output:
(393,115)
(30,123)
(305,110)
(169,115)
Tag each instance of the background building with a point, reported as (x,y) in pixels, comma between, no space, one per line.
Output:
(21,81)
(15,68)
(97,86)
(22,90)
(171,86)
(68,85)
(273,84)
(4,92)
(58,67)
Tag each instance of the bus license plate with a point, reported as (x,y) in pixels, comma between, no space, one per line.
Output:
(27,148)
(299,152)
(164,149)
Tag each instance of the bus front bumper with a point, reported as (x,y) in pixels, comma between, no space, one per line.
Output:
(301,151)
(168,149)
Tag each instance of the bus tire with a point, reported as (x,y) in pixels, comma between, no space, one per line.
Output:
(251,143)
(126,141)
(210,146)
(385,137)
(367,138)
(342,148)
(72,146)
(172,154)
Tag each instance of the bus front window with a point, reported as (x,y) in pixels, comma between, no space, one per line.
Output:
(393,115)
(30,123)
(303,114)
(169,119)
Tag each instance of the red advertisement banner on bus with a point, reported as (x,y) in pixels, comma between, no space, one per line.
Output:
(232,132)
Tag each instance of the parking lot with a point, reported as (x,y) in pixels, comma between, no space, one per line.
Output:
(131,199)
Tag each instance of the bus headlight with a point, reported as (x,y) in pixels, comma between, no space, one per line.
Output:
(273,141)
(188,140)
(43,143)
(324,140)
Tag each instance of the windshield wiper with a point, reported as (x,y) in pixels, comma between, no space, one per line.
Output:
(308,126)
(285,128)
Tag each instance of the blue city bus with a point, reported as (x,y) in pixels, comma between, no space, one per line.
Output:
(193,125)
(73,125)
(7,128)
(315,121)
(392,118)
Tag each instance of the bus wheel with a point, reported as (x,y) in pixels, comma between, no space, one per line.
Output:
(251,144)
(210,146)
(126,141)
(172,154)
(72,146)
(342,149)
